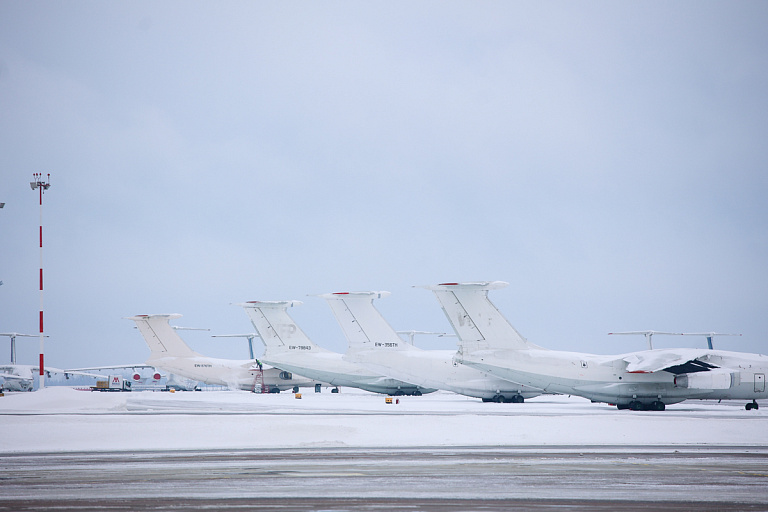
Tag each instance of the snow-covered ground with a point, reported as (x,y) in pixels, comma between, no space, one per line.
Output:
(59,419)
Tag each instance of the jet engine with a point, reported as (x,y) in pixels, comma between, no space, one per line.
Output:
(704,380)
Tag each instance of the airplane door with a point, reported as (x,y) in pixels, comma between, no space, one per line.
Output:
(759,382)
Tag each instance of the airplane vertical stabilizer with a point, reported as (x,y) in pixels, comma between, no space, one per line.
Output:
(276,328)
(162,339)
(476,320)
(363,325)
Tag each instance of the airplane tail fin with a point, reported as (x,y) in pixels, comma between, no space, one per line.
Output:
(363,325)
(162,339)
(476,320)
(276,328)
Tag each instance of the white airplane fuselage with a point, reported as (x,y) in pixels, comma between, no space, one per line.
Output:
(233,373)
(437,369)
(606,379)
(331,367)
(17,377)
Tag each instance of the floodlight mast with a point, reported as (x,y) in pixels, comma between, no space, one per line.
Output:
(41,186)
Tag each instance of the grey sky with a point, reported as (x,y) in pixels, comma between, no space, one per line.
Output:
(607,159)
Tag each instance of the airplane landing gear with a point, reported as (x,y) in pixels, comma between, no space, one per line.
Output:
(752,405)
(515,399)
(637,405)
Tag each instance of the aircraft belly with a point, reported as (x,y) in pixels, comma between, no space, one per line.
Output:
(373,383)
(460,379)
(600,389)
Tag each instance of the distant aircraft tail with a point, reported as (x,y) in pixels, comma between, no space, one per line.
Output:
(363,325)
(476,320)
(161,338)
(276,328)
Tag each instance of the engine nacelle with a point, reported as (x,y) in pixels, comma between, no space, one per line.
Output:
(704,380)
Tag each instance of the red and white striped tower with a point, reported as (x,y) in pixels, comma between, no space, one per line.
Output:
(41,186)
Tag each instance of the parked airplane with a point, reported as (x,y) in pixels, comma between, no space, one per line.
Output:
(374,344)
(287,347)
(145,377)
(170,353)
(649,379)
(21,377)
(17,377)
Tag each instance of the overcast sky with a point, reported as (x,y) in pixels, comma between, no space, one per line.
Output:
(606,159)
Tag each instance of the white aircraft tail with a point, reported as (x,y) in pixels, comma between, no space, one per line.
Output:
(476,320)
(276,328)
(161,338)
(363,325)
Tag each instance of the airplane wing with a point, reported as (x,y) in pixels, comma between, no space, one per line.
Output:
(11,376)
(81,373)
(672,361)
(141,366)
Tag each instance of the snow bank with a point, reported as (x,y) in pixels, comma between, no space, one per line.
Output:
(59,419)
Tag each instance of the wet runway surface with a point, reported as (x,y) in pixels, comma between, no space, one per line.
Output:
(446,479)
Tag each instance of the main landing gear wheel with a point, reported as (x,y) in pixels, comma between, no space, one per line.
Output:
(637,405)
(752,405)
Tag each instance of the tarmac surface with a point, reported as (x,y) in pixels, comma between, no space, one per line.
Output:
(426,479)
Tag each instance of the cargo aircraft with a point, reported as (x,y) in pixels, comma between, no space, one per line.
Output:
(170,353)
(287,347)
(644,380)
(21,377)
(374,344)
